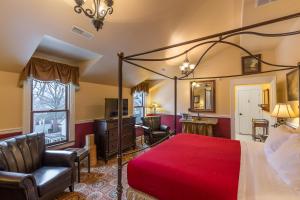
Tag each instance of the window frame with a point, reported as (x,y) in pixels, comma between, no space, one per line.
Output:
(143,104)
(66,110)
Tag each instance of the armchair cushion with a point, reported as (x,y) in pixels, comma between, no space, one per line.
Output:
(48,178)
(59,158)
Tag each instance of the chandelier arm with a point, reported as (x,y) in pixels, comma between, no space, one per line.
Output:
(88,12)
(222,38)
(110,10)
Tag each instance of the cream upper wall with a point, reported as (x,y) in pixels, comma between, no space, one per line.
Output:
(288,53)
(89,100)
(10,101)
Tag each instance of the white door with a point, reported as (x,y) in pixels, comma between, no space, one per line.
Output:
(248,99)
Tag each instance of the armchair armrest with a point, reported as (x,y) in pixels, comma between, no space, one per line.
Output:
(59,158)
(165,128)
(146,128)
(12,180)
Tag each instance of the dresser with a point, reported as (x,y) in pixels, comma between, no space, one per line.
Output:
(106,136)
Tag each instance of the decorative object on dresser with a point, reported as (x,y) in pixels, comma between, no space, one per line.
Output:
(264,125)
(203,96)
(154,131)
(106,136)
(82,154)
(282,111)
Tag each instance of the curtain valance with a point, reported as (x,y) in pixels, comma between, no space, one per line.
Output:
(142,87)
(46,70)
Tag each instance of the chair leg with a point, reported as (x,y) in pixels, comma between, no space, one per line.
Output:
(78,171)
(89,164)
(71,188)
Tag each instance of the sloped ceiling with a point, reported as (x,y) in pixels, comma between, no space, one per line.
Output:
(136,25)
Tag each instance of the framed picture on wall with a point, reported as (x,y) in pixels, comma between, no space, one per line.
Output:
(251,65)
(292,83)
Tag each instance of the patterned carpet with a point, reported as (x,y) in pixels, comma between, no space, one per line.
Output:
(100,184)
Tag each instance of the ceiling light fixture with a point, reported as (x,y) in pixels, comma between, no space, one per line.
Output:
(186,67)
(98,13)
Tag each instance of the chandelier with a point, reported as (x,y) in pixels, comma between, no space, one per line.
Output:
(98,13)
(186,67)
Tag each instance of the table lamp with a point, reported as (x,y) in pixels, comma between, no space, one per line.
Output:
(154,106)
(282,112)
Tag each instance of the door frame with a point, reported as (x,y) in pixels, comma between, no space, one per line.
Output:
(237,89)
(251,81)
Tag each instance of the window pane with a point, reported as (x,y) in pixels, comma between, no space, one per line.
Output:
(138,99)
(53,124)
(48,96)
(138,113)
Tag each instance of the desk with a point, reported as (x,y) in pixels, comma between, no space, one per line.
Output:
(204,126)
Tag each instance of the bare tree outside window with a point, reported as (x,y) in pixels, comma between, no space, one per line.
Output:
(139,106)
(50,110)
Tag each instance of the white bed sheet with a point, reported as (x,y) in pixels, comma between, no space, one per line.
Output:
(258,181)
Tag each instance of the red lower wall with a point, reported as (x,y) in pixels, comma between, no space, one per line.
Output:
(8,135)
(222,129)
(81,130)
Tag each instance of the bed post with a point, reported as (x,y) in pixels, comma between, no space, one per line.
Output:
(120,119)
(175,104)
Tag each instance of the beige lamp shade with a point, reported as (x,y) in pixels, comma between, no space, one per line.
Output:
(283,110)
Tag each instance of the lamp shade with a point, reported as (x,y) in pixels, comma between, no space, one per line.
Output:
(283,110)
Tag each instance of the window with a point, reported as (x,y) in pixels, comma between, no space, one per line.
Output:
(50,110)
(139,106)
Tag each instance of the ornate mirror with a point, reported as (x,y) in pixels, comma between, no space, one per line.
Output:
(203,96)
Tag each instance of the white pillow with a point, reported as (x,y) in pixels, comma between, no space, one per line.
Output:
(286,161)
(276,138)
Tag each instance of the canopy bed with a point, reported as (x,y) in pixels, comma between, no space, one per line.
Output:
(207,173)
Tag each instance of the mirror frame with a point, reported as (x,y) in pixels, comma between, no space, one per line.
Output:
(196,110)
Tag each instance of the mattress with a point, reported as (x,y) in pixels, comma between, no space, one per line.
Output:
(188,167)
(256,179)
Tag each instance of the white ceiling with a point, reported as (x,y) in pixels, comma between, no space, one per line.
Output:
(136,25)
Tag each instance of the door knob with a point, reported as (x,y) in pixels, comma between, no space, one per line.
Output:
(241,114)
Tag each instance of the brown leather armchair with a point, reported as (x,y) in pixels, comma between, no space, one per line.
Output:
(29,171)
(154,131)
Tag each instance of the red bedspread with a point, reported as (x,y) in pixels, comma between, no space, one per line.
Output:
(188,167)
